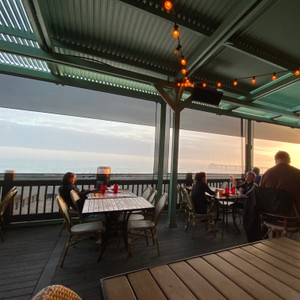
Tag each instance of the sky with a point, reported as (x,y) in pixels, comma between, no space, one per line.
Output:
(34,142)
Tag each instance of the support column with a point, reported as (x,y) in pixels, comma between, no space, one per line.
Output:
(174,171)
(249,146)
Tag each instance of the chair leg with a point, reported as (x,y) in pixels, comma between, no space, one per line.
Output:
(62,228)
(154,237)
(65,251)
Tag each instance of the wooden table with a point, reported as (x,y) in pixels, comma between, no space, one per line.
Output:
(269,269)
(110,194)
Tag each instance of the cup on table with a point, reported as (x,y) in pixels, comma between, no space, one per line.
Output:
(233,190)
(220,193)
(227,191)
(103,189)
(116,188)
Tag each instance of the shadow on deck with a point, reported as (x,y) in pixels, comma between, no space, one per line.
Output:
(30,256)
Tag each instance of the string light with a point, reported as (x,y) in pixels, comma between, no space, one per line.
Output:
(183,61)
(297,72)
(219,84)
(274,77)
(253,80)
(176,31)
(168,5)
(183,70)
(177,49)
(204,84)
(235,83)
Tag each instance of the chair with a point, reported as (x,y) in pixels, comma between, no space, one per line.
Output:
(195,218)
(270,211)
(182,200)
(147,192)
(7,199)
(78,232)
(146,228)
(56,292)
(152,197)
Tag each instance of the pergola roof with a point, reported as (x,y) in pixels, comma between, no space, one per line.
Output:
(126,47)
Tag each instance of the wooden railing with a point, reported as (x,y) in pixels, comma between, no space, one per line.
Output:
(36,198)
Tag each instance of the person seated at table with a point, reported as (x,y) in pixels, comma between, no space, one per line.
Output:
(245,187)
(199,198)
(256,170)
(68,184)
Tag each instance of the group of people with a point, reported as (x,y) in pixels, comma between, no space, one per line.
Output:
(282,176)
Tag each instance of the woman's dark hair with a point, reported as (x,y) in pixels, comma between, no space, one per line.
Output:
(66,178)
(200,177)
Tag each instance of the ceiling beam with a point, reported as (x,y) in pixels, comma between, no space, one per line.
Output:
(241,14)
(80,63)
(27,35)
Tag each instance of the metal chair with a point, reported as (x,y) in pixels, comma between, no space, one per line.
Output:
(147,192)
(78,232)
(146,228)
(8,198)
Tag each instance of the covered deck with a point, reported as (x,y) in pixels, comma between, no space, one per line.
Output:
(30,257)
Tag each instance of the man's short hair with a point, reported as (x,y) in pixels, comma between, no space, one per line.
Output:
(283,157)
(256,170)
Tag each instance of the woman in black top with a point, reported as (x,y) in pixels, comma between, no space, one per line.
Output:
(68,184)
(199,189)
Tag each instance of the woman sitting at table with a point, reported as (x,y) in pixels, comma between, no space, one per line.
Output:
(199,189)
(68,184)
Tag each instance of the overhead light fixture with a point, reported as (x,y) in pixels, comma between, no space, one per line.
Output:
(274,77)
(176,31)
(235,83)
(253,80)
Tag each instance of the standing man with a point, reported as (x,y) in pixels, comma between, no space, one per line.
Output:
(283,176)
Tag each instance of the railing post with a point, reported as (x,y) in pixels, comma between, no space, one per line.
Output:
(9,177)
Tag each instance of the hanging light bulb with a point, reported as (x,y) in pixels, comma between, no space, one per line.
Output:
(219,84)
(183,61)
(235,83)
(297,72)
(177,49)
(168,5)
(176,31)
(253,80)
(183,70)
(204,84)
(178,83)
(274,77)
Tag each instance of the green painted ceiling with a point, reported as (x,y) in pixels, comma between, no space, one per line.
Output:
(126,47)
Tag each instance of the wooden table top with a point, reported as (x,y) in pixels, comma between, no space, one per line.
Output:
(115,204)
(269,269)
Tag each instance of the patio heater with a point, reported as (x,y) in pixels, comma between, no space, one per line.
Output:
(103,176)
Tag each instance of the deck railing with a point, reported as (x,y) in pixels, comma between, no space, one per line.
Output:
(36,197)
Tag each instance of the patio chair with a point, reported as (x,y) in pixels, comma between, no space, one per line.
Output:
(182,200)
(7,199)
(195,218)
(147,192)
(146,228)
(57,292)
(78,232)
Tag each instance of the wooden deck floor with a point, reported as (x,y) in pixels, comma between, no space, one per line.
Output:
(29,257)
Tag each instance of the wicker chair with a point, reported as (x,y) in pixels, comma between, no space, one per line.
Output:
(56,292)
(78,232)
(8,198)
(146,228)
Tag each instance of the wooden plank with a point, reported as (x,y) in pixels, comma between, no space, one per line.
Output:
(170,284)
(285,242)
(224,285)
(144,286)
(293,271)
(195,282)
(118,288)
(279,254)
(241,279)
(276,244)
(271,269)
(267,275)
